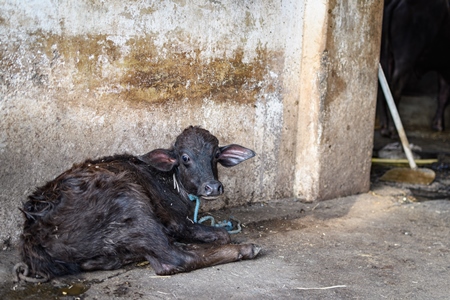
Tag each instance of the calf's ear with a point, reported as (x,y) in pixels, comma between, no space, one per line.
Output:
(161,159)
(233,154)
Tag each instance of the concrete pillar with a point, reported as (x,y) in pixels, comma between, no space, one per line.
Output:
(338,87)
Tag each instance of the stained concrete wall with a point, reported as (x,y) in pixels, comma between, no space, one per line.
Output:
(336,111)
(293,80)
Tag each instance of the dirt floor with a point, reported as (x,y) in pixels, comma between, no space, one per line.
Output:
(390,243)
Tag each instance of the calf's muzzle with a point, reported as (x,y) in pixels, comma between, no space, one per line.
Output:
(211,190)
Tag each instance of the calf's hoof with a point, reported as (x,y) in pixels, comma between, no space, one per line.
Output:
(249,251)
(256,249)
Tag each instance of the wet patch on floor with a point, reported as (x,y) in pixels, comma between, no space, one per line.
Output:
(43,291)
(439,189)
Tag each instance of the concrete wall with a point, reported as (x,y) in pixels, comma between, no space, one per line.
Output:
(337,108)
(90,78)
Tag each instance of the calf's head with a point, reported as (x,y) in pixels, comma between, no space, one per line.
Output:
(194,158)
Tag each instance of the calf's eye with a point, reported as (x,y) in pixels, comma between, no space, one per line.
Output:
(185,158)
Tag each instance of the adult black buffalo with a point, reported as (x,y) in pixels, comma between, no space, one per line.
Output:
(415,40)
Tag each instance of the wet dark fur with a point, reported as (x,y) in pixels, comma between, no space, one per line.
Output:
(103,214)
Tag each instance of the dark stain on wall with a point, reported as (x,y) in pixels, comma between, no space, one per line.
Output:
(89,54)
(350,57)
(181,75)
(141,74)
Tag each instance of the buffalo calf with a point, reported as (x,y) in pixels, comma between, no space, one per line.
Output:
(105,213)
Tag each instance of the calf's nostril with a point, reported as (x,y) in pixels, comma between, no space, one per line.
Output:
(213,189)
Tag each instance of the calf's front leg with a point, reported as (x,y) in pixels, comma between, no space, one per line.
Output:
(190,257)
(199,233)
